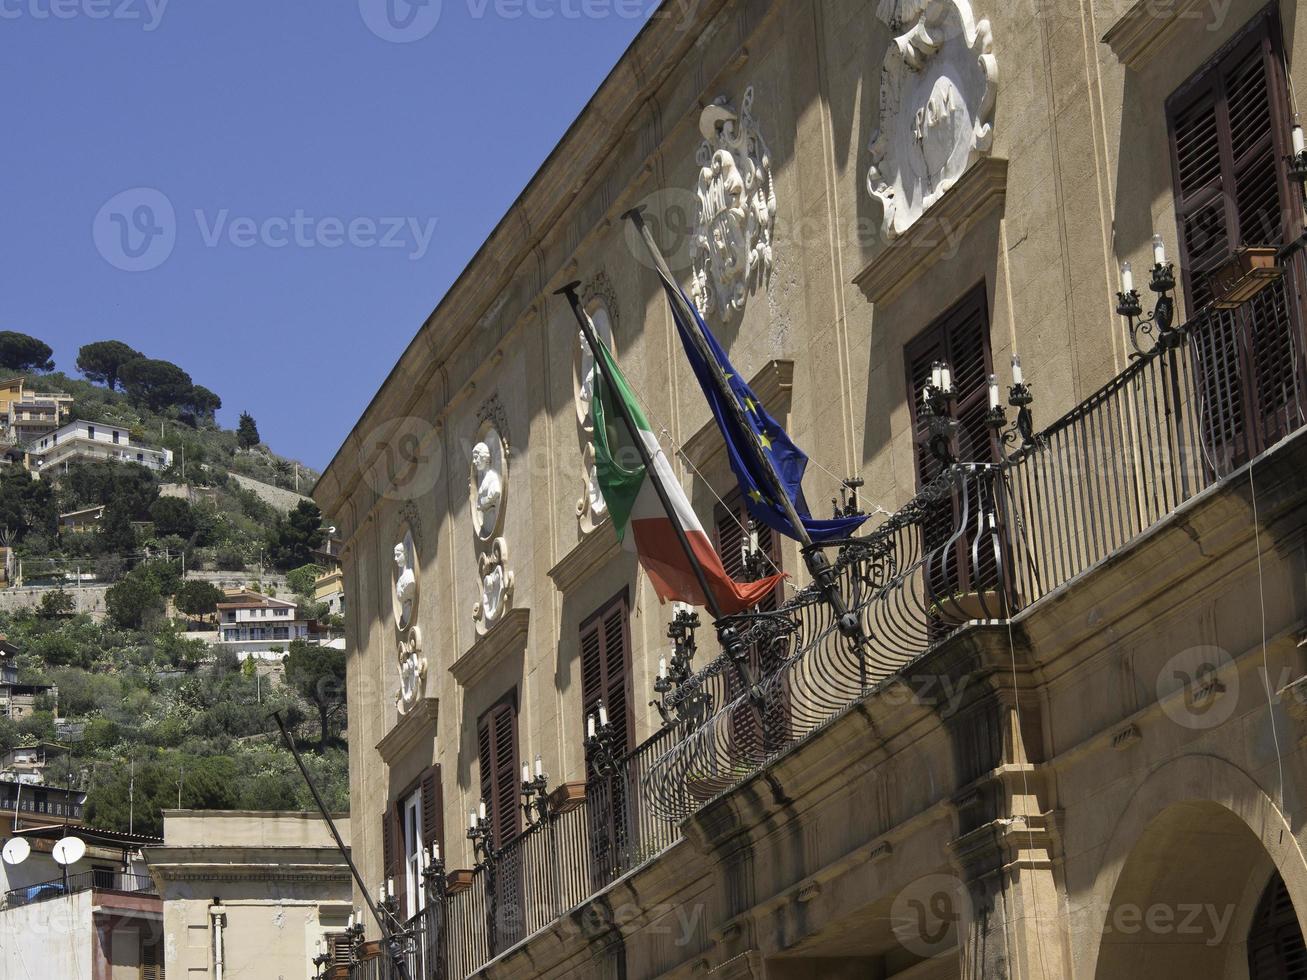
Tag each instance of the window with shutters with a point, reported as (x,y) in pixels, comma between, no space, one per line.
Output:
(960,338)
(1229,140)
(152,961)
(338,945)
(757,736)
(606,674)
(410,825)
(497,752)
(1275,943)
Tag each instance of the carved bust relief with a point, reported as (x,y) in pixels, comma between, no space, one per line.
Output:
(488,495)
(938,86)
(591,510)
(405,594)
(732,250)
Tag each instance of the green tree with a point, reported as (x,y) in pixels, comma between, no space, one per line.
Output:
(21,352)
(133,601)
(27,506)
(172,515)
(317,673)
(301,580)
(247,432)
(55,603)
(204,402)
(156,384)
(198,598)
(114,534)
(293,537)
(102,362)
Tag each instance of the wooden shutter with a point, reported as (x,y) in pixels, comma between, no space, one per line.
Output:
(152,961)
(391,845)
(338,944)
(606,668)
(433,809)
(1228,141)
(1228,144)
(497,747)
(961,339)
(1275,943)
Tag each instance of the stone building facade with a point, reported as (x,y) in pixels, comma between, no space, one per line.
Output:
(1067,743)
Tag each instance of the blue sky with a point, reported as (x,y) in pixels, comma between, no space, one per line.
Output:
(273,193)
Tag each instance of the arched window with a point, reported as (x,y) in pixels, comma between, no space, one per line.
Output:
(1275,944)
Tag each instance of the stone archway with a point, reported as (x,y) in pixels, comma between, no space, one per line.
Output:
(1184,874)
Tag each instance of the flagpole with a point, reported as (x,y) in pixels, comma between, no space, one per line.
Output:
(587,330)
(818,565)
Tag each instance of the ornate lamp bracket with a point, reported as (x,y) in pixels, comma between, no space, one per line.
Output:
(1157,330)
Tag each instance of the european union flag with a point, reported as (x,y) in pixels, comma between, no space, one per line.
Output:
(758,429)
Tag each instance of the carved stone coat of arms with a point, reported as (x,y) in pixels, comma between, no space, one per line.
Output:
(938,87)
(737,209)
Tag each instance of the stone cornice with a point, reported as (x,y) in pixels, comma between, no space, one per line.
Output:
(900,263)
(591,553)
(773,384)
(627,94)
(1142,31)
(410,728)
(507,636)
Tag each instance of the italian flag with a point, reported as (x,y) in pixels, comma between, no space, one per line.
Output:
(637,513)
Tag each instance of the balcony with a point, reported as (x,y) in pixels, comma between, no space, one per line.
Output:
(985,541)
(98,879)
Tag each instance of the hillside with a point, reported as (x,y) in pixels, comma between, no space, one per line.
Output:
(141,712)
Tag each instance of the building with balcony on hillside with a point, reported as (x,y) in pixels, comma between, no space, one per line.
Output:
(97,918)
(26,416)
(256,625)
(92,442)
(17,700)
(1046,717)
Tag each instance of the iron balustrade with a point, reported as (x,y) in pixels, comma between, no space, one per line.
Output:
(104,879)
(982,542)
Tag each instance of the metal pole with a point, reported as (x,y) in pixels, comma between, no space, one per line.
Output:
(815,558)
(392,942)
(588,332)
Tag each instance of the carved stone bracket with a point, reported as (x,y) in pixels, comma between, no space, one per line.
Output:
(1143,30)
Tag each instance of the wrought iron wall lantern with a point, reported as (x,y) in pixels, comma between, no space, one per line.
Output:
(482,838)
(535,794)
(1022,431)
(601,748)
(847,504)
(1297,160)
(433,874)
(938,397)
(1156,330)
(671,704)
(320,964)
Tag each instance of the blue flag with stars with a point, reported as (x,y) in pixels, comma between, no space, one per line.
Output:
(787,459)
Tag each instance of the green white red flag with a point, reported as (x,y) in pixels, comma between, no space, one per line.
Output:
(642,523)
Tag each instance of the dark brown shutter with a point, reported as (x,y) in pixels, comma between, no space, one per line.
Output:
(961,339)
(391,846)
(1228,141)
(606,668)
(433,809)
(497,747)
(1228,144)
(1275,943)
(339,945)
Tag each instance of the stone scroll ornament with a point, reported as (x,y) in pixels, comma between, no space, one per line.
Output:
(938,87)
(732,249)
(406,594)
(488,490)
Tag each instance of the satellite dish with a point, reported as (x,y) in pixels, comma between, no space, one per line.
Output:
(16,850)
(69,850)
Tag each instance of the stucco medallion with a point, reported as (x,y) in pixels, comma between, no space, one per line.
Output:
(938,86)
(737,209)
(488,495)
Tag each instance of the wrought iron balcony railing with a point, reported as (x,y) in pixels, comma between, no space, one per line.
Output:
(982,542)
(104,879)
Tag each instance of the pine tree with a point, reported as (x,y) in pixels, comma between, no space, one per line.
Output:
(247,433)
